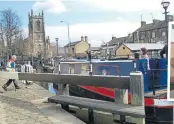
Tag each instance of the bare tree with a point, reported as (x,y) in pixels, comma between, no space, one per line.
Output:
(11,26)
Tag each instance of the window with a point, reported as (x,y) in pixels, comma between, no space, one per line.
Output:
(123,47)
(73,50)
(172,26)
(38,25)
(163,33)
(142,35)
(153,34)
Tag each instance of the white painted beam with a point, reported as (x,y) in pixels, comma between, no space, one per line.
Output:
(121,82)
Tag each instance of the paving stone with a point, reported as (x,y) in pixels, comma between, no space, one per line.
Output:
(16,107)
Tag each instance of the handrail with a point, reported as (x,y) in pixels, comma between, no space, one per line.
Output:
(157,86)
(158,69)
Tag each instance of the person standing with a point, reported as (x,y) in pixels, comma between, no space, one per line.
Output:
(145,56)
(11,68)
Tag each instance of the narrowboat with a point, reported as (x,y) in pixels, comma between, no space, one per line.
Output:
(158,110)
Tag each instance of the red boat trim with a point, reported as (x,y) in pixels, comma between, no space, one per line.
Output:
(107,92)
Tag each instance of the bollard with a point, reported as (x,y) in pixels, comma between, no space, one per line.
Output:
(121,97)
(61,89)
(27,68)
(137,93)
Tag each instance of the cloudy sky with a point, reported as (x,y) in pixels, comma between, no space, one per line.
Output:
(97,19)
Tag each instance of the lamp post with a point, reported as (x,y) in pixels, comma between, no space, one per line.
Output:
(165,5)
(57,44)
(68,35)
(1,34)
(142,17)
(151,15)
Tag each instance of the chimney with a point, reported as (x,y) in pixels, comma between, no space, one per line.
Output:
(82,38)
(129,34)
(86,39)
(113,37)
(143,23)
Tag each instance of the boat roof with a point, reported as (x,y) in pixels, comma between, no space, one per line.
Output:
(94,61)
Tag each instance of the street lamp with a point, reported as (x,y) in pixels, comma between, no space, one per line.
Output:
(57,44)
(68,34)
(165,5)
(1,33)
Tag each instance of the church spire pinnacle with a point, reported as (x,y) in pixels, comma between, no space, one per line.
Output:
(31,12)
(42,13)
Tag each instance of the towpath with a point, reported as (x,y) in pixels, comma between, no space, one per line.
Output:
(29,106)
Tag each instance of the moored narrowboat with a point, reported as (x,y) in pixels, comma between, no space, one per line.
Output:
(157,108)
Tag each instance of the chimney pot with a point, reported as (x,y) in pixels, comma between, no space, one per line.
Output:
(143,23)
(86,38)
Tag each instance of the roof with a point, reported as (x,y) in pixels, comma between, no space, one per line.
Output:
(115,40)
(157,24)
(120,40)
(72,43)
(95,48)
(149,46)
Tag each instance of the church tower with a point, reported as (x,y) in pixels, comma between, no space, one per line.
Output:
(37,34)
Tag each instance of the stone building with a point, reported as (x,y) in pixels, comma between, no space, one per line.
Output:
(110,47)
(129,49)
(153,32)
(37,42)
(77,48)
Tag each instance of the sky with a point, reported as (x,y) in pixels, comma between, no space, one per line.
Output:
(97,19)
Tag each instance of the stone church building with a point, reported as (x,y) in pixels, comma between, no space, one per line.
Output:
(37,44)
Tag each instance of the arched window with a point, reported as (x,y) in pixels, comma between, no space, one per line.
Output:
(38,25)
